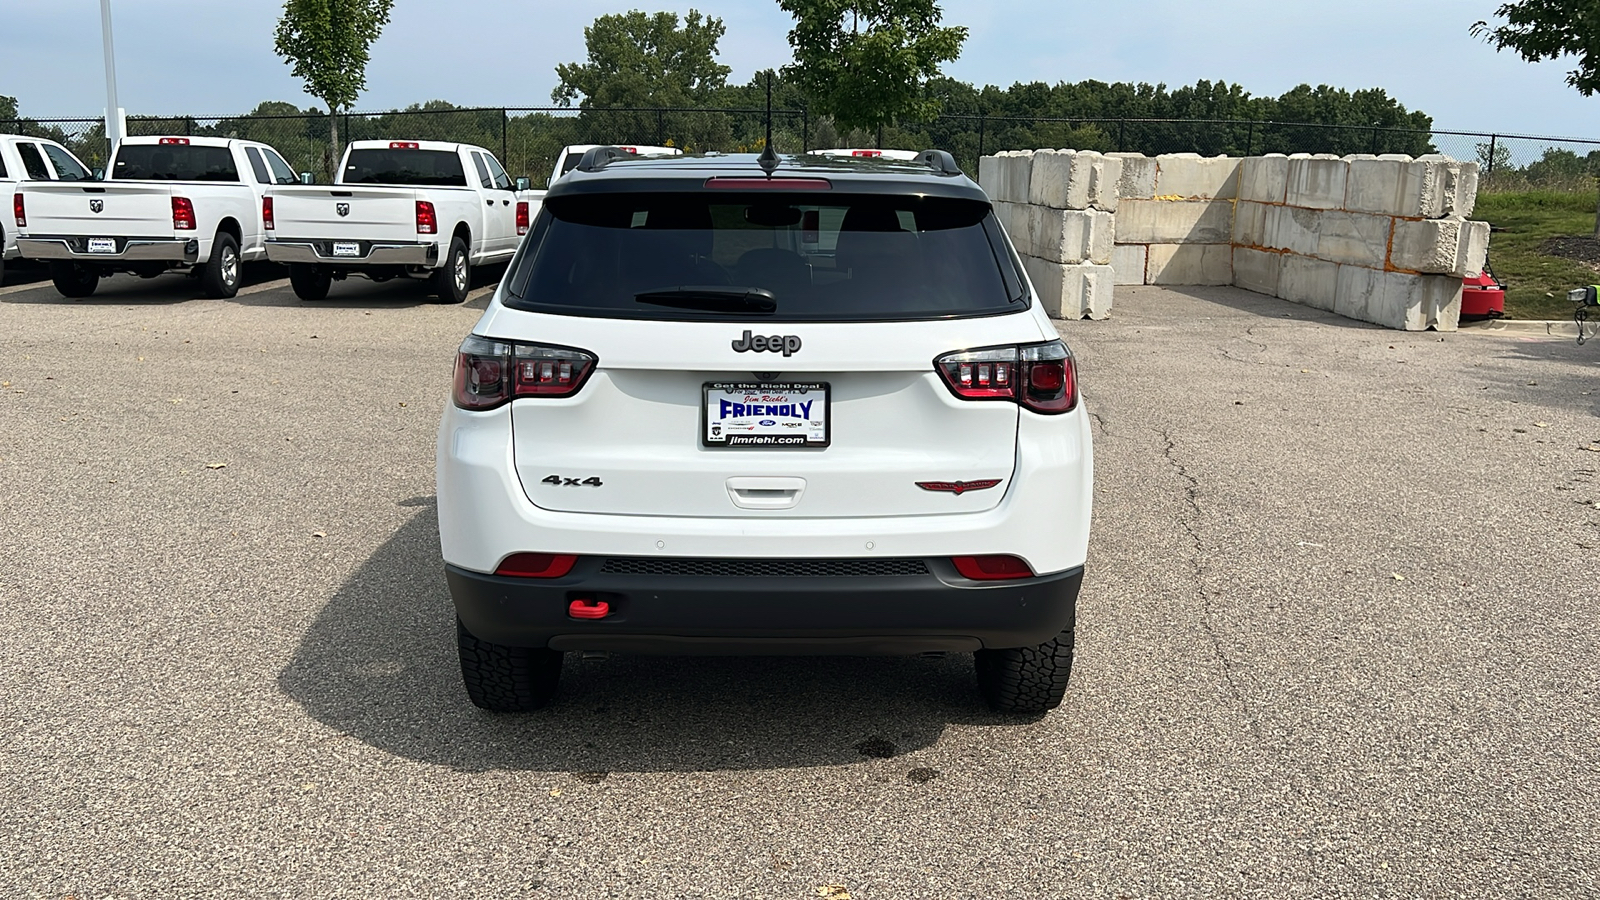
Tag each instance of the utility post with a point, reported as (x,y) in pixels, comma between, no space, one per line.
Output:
(115,126)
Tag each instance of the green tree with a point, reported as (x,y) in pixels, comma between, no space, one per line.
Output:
(1538,30)
(639,60)
(867,63)
(8,108)
(327,43)
(1493,158)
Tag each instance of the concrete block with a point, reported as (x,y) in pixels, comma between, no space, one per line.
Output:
(1071,235)
(1250,223)
(1449,246)
(1353,238)
(1175,221)
(1190,264)
(1138,180)
(1264,179)
(1395,185)
(1460,189)
(1074,179)
(989,176)
(1257,270)
(1317,182)
(1399,300)
(1191,176)
(1312,282)
(1013,217)
(1294,229)
(1359,293)
(1128,262)
(1443,302)
(1071,292)
(1014,170)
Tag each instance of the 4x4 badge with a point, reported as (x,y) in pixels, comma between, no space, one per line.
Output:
(959,487)
(786,344)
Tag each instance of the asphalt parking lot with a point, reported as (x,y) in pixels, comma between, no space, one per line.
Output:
(1338,639)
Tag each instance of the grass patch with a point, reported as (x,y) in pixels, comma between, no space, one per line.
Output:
(1539,282)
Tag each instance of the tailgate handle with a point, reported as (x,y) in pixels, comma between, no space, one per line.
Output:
(766,492)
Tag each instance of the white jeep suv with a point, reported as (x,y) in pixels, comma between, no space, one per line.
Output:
(767,405)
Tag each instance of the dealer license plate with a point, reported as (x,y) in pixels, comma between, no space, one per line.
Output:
(102,245)
(752,414)
(346,248)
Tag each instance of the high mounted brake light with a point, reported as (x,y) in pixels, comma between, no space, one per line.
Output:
(1041,377)
(267,221)
(867,153)
(182,214)
(492,373)
(734,183)
(427,220)
(174,141)
(20,210)
(404,145)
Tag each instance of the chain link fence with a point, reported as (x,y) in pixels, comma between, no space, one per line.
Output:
(528,139)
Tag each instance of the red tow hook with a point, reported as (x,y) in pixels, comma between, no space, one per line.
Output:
(588,609)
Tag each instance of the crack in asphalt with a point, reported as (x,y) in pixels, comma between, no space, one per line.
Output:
(1207,605)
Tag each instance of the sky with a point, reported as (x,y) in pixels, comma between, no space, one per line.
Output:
(179,57)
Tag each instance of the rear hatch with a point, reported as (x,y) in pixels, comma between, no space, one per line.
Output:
(104,209)
(355,213)
(868,426)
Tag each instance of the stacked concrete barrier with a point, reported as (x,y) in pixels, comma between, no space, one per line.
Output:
(1175,219)
(1059,208)
(1383,239)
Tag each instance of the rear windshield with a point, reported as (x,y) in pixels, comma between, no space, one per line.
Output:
(427,168)
(819,256)
(174,162)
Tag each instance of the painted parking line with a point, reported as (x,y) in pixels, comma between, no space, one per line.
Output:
(480,292)
(19,288)
(263,287)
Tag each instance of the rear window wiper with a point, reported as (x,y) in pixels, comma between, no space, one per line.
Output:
(712,298)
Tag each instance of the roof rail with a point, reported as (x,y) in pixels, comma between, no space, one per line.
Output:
(940,161)
(596,158)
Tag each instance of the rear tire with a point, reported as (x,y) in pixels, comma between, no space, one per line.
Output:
(1026,680)
(507,679)
(454,278)
(74,279)
(310,281)
(220,277)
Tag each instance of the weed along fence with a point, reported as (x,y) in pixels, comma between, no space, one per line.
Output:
(1382,239)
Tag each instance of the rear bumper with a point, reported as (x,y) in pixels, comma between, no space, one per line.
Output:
(129,249)
(373,253)
(698,614)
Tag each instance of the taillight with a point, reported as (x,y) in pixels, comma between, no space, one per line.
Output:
(404,145)
(175,141)
(1041,377)
(182,214)
(267,221)
(991,568)
(491,373)
(522,217)
(19,209)
(427,221)
(536,565)
(871,154)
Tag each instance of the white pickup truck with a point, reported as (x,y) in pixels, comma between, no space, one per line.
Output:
(404,209)
(31,159)
(572,154)
(168,203)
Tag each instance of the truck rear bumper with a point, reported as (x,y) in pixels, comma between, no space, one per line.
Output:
(372,253)
(172,250)
(769,613)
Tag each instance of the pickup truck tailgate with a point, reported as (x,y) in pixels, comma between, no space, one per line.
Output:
(368,213)
(103,209)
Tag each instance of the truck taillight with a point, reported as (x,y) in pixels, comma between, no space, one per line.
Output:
(491,373)
(522,217)
(182,214)
(427,220)
(20,209)
(267,221)
(1040,377)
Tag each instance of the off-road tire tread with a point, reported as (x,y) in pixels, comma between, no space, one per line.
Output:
(309,283)
(507,679)
(1026,680)
(64,275)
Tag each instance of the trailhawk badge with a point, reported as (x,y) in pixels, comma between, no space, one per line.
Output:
(959,487)
(343,209)
(97,206)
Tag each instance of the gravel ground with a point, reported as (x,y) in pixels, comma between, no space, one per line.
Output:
(1338,639)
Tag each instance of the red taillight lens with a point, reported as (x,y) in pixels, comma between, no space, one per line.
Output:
(490,373)
(180,141)
(536,565)
(404,145)
(867,153)
(522,217)
(20,210)
(1038,376)
(427,221)
(267,221)
(991,568)
(182,214)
